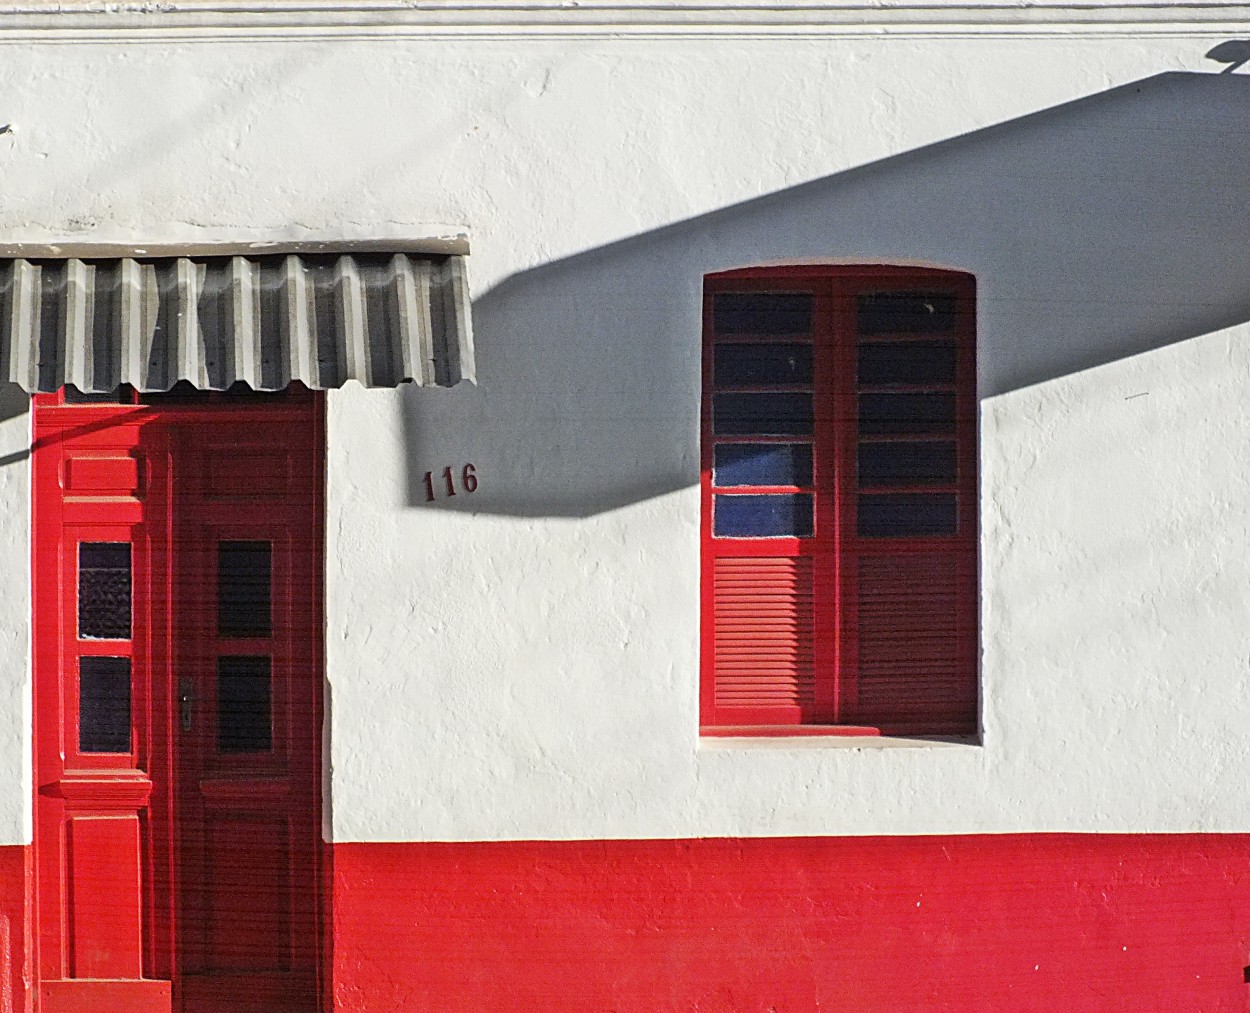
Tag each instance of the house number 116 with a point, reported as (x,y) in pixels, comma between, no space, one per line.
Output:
(468,481)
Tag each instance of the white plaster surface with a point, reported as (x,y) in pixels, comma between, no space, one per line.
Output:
(523,662)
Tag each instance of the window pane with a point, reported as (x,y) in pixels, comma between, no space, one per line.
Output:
(929,463)
(904,514)
(762,313)
(762,464)
(906,313)
(906,413)
(103,705)
(244,720)
(762,414)
(104,590)
(243,581)
(902,362)
(762,364)
(763,516)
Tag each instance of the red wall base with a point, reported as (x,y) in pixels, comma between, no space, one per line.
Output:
(967,924)
(14,960)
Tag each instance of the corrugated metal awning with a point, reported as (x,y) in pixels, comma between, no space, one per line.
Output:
(215,321)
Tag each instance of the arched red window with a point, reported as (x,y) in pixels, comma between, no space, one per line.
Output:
(839,501)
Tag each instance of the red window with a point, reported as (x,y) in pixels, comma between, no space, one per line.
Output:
(839,501)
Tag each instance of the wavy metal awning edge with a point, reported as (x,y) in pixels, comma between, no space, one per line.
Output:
(215,321)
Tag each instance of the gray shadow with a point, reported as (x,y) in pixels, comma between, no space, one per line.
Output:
(1097,230)
(14,402)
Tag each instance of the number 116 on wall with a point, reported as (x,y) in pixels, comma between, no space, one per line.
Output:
(468,482)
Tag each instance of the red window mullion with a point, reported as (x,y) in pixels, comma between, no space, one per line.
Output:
(829,467)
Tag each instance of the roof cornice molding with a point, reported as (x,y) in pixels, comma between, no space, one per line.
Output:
(385,20)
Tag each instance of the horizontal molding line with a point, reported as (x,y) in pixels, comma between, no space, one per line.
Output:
(190,22)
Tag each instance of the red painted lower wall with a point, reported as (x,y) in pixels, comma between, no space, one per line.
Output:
(14,963)
(982,923)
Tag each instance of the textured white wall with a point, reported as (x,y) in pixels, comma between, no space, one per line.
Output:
(523,662)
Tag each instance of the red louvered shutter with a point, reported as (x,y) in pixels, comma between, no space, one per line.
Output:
(839,502)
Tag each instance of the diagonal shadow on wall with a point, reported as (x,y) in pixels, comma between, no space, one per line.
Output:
(1097,230)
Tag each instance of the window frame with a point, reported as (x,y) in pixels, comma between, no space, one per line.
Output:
(835,545)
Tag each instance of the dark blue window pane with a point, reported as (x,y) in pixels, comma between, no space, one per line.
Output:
(906,313)
(906,413)
(907,514)
(932,463)
(763,516)
(762,464)
(243,579)
(779,313)
(787,414)
(104,590)
(762,364)
(906,362)
(244,705)
(103,705)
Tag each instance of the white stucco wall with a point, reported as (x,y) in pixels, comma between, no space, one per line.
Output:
(523,662)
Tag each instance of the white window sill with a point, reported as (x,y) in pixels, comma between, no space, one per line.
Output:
(806,742)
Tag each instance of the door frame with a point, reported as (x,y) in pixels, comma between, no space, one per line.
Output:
(53,419)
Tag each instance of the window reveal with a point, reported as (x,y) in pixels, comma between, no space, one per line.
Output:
(839,499)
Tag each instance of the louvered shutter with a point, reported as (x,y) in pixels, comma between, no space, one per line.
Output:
(839,501)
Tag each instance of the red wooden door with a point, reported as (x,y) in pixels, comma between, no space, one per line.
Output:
(178,705)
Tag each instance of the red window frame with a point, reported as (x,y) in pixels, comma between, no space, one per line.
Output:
(841,632)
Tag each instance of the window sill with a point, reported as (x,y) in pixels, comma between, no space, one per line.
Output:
(823,737)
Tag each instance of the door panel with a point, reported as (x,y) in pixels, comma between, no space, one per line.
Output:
(249,719)
(177,571)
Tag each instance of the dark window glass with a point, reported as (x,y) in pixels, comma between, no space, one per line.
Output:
(762,364)
(907,514)
(762,464)
(244,705)
(103,705)
(767,516)
(778,313)
(906,413)
(787,414)
(905,362)
(906,313)
(104,590)
(931,463)
(244,572)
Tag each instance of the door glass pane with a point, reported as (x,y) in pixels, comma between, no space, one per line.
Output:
(244,572)
(762,364)
(104,590)
(906,313)
(884,363)
(762,464)
(244,704)
(907,463)
(762,414)
(103,705)
(764,313)
(766,516)
(901,515)
(883,414)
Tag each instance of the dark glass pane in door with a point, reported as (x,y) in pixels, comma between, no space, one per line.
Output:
(762,464)
(762,364)
(244,576)
(764,313)
(762,414)
(903,515)
(103,705)
(898,363)
(244,704)
(922,463)
(886,414)
(104,586)
(906,313)
(766,516)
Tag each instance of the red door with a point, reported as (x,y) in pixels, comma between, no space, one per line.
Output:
(178,704)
